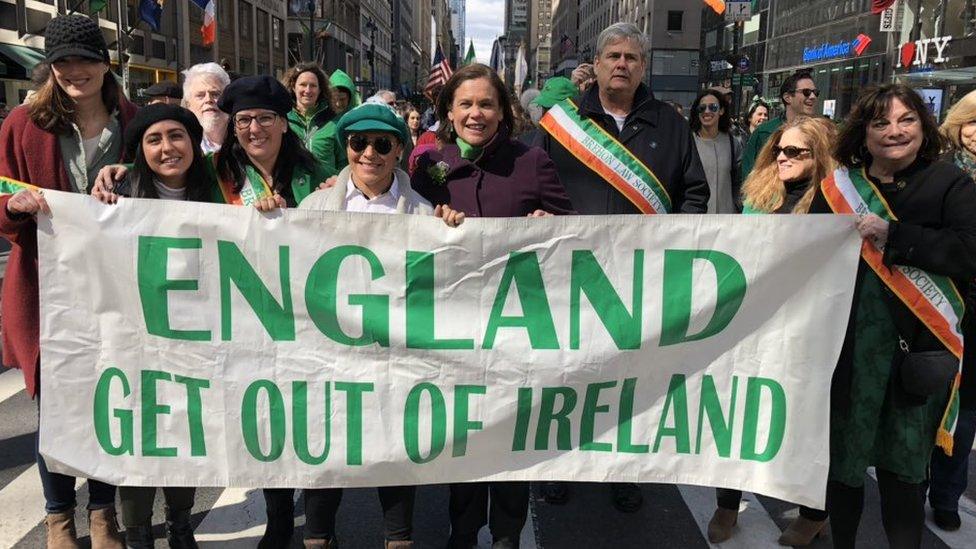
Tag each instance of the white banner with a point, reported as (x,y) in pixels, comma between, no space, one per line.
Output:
(202,345)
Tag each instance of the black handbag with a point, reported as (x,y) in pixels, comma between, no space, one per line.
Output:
(921,373)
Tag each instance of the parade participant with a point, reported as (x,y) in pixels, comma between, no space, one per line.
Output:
(720,153)
(758,113)
(389,98)
(479,170)
(794,160)
(412,119)
(344,94)
(203,85)
(950,475)
(641,131)
(799,95)
(893,395)
(165,143)
(72,127)
(312,119)
(166,92)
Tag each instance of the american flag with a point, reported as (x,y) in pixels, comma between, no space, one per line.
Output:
(440,71)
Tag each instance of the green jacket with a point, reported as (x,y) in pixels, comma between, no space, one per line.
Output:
(340,79)
(756,142)
(317,130)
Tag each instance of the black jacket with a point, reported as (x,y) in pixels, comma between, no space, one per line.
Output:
(936,231)
(655,133)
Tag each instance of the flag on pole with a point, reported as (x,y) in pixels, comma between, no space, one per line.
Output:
(718,6)
(521,68)
(97,5)
(209,28)
(440,71)
(150,11)
(878,6)
(470,57)
(497,63)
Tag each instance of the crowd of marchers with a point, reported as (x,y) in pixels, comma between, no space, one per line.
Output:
(309,141)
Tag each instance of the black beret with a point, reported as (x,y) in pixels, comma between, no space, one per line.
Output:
(165,88)
(255,92)
(149,115)
(74,36)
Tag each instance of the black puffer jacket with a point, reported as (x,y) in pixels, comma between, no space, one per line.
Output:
(655,133)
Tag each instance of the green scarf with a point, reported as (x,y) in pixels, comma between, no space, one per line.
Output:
(468,151)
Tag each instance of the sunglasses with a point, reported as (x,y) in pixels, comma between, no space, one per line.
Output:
(243,121)
(382,145)
(710,107)
(790,151)
(807,92)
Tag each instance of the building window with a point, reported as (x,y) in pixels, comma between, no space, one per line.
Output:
(675,20)
(276,32)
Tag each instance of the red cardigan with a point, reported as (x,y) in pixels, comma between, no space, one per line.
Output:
(31,155)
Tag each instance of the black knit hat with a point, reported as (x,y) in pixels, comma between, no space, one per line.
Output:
(149,115)
(255,92)
(74,35)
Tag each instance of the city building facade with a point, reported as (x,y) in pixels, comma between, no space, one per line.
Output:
(332,29)
(564,37)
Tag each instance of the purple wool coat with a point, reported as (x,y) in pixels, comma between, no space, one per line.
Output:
(509,179)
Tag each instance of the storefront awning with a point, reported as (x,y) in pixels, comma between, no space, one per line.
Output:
(961,75)
(24,56)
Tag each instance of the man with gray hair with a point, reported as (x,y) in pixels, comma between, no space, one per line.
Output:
(203,84)
(621,151)
(387,96)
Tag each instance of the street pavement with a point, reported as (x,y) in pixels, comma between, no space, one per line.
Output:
(672,516)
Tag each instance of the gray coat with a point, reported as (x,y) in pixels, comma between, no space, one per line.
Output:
(333,199)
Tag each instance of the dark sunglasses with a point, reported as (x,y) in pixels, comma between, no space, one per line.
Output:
(790,151)
(807,92)
(382,145)
(710,107)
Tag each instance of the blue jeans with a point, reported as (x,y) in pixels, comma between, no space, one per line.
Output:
(949,475)
(59,490)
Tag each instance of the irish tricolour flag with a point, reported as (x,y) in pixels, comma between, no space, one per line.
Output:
(209,28)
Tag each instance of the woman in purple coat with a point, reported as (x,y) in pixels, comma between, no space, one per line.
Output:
(480,171)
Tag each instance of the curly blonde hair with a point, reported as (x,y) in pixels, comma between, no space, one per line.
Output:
(763,190)
(962,113)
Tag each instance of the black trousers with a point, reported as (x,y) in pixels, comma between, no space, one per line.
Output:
(902,511)
(729,499)
(137,502)
(322,505)
(469,511)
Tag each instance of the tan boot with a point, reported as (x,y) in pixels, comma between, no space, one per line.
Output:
(802,531)
(320,544)
(397,544)
(721,525)
(61,532)
(104,530)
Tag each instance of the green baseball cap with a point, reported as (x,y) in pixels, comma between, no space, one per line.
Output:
(555,90)
(372,117)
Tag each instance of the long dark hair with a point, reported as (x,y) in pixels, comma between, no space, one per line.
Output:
(872,104)
(724,121)
(198,180)
(232,158)
(445,132)
(53,110)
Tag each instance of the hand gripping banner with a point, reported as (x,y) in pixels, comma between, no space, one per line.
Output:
(207,345)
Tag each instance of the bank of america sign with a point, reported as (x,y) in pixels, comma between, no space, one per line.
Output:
(838,50)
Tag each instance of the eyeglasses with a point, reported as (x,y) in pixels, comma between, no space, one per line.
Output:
(710,107)
(266,120)
(382,145)
(790,151)
(807,92)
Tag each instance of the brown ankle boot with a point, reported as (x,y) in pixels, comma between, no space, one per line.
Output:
(802,531)
(104,530)
(61,532)
(397,544)
(320,543)
(721,525)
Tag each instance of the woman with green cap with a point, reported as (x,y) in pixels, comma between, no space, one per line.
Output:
(313,119)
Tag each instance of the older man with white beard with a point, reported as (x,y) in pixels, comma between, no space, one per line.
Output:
(203,84)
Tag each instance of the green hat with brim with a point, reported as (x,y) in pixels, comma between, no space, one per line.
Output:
(555,90)
(372,117)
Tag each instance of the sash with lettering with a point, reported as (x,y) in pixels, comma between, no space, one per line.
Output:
(606,156)
(934,299)
(255,187)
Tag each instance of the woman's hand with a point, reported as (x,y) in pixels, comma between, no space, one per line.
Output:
(873,228)
(268,203)
(328,183)
(105,181)
(452,218)
(539,213)
(27,202)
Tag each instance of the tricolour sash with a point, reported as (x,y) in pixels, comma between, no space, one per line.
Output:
(606,156)
(255,187)
(934,299)
(11,186)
